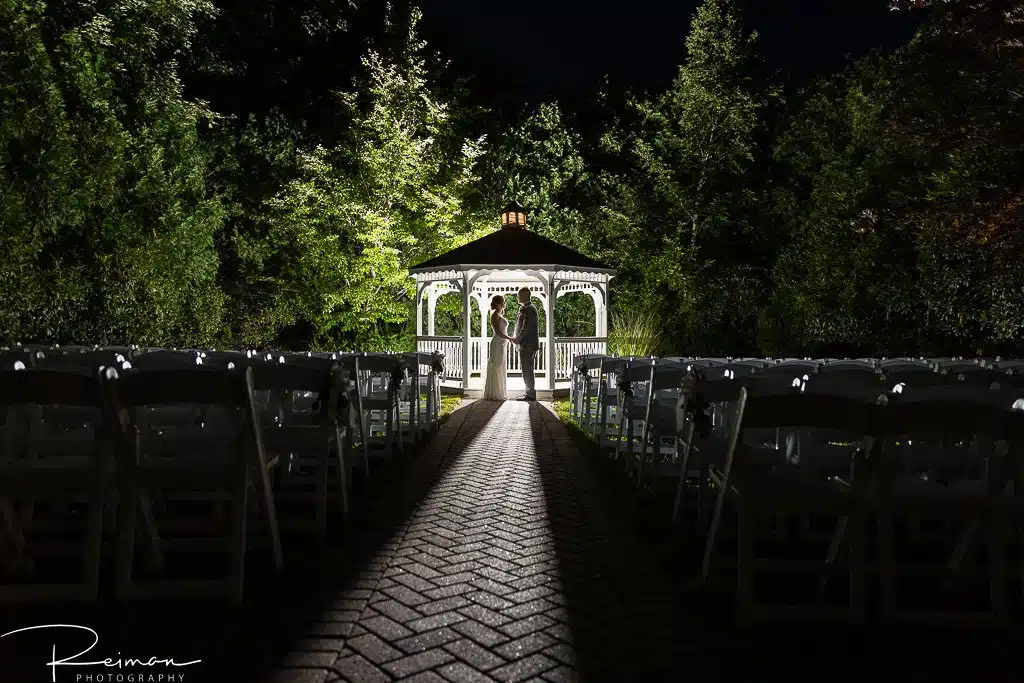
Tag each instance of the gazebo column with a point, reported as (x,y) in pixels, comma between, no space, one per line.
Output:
(467,312)
(420,288)
(601,317)
(550,292)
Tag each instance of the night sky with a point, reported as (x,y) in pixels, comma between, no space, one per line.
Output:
(529,50)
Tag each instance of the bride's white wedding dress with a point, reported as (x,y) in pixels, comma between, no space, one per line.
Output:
(494,383)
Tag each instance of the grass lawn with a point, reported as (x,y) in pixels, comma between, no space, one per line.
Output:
(649,514)
(448,405)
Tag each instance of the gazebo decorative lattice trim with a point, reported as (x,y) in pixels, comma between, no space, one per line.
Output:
(501,263)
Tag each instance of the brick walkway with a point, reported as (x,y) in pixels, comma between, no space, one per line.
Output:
(509,569)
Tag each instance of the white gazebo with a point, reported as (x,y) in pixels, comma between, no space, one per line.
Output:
(502,263)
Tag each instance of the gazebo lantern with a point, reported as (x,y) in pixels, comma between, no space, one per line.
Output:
(513,216)
(501,263)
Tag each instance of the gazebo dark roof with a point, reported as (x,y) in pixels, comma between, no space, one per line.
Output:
(511,247)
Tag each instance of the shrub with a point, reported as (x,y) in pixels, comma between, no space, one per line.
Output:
(635,332)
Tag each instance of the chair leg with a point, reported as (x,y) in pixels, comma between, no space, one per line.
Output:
(964,542)
(94,539)
(887,562)
(641,458)
(586,409)
(857,524)
(997,565)
(236,540)
(703,494)
(837,541)
(677,506)
(339,444)
(265,498)
(618,444)
(364,442)
(125,554)
(152,534)
(13,531)
(414,418)
(322,464)
(709,546)
(28,512)
(110,510)
(430,402)
(744,565)
(389,440)
(1019,518)
(629,440)
(398,426)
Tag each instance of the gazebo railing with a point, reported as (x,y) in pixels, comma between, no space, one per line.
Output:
(566,348)
(451,347)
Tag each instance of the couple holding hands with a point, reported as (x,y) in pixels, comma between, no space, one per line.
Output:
(525,335)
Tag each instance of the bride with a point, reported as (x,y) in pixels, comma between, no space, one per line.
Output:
(494,384)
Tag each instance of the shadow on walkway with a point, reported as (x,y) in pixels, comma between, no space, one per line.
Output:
(624,615)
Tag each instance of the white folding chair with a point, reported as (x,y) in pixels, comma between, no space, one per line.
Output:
(383,376)
(959,438)
(584,388)
(160,452)
(711,407)
(606,422)
(55,446)
(419,396)
(309,434)
(662,420)
(768,487)
(632,408)
(358,424)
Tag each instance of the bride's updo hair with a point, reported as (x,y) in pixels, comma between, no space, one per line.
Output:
(497,301)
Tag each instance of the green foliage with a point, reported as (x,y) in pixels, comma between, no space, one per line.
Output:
(575,315)
(903,177)
(342,234)
(107,219)
(686,205)
(635,331)
(540,164)
(879,211)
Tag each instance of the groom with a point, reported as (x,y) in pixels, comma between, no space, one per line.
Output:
(526,337)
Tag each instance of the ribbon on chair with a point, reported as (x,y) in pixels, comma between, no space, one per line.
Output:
(698,408)
(333,401)
(585,377)
(624,386)
(437,365)
(397,377)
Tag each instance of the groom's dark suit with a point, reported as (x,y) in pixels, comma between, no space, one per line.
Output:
(526,336)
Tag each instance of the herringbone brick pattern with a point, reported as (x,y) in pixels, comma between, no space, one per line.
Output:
(509,569)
